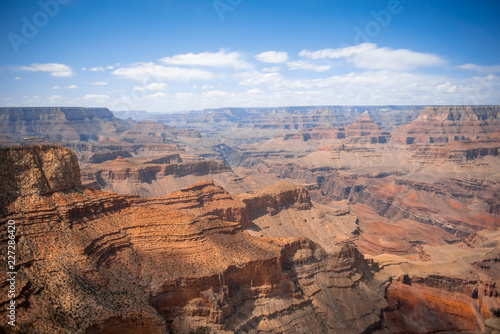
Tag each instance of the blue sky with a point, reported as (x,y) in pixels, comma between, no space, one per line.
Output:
(162,56)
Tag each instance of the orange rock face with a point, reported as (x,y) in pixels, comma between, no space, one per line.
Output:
(104,263)
(424,305)
(367,131)
(448,124)
(99,262)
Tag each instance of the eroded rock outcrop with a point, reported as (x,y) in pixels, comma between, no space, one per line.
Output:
(37,170)
(104,263)
(448,124)
(275,198)
(54,123)
(153,177)
(366,130)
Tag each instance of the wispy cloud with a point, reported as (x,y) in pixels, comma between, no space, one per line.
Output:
(378,75)
(184,95)
(158,95)
(271,69)
(256,78)
(303,65)
(275,57)
(215,94)
(57,70)
(154,86)
(209,59)
(480,69)
(369,56)
(56,99)
(96,98)
(145,72)
(96,69)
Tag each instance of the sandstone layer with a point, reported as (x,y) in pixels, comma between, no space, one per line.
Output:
(105,263)
(385,235)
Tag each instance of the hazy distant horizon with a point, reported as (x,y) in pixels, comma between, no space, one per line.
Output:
(265,107)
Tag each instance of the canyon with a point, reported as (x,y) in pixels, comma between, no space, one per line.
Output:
(285,220)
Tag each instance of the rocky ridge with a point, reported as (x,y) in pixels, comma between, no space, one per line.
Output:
(98,262)
(122,263)
(414,201)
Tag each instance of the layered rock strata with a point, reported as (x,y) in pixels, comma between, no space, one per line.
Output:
(443,125)
(104,263)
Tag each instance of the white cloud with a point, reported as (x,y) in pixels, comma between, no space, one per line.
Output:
(149,71)
(369,56)
(256,78)
(56,98)
(98,98)
(84,68)
(386,87)
(157,95)
(184,95)
(110,67)
(338,53)
(56,87)
(271,69)
(207,87)
(303,65)
(154,86)
(57,70)
(254,91)
(274,57)
(211,59)
(99,83)
(72,87)
(480,69)
(447,87)
(17,78)
(96,69)
(215,94)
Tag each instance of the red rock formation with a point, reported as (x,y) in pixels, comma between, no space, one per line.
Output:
(105,263)
(130,176)
(441,125)
(98,158)
(55,123)
(366,131)
(120,169)
(413,302)
(458,206)
(318,133)
(274,199)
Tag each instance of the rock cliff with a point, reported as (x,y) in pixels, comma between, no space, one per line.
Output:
(151,177)
(275,198)
(54,123)
(443,125)
(97,262)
